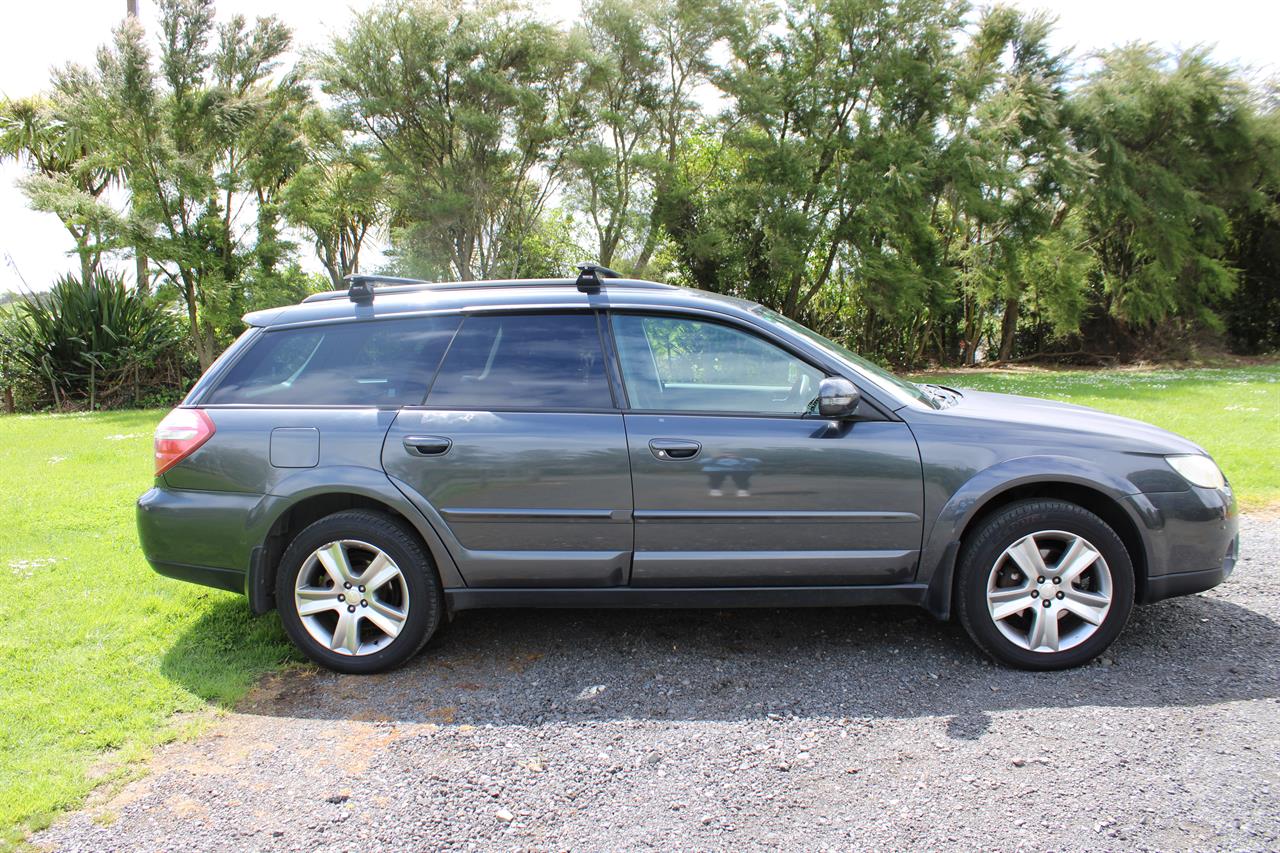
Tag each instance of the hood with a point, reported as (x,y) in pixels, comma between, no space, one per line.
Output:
(1125,434)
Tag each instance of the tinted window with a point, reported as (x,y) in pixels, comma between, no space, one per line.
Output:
(543,361)
(373,363)
(679,364)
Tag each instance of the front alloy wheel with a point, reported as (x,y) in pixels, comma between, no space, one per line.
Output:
(1049,591)
(1044,584)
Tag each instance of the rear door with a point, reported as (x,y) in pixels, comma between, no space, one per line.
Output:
(519,455)
(735,485)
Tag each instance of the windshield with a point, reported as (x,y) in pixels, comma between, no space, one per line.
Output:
(905,391)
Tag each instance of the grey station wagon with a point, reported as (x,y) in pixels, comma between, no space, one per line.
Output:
(374,459)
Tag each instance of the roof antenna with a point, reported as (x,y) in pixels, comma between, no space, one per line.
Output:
(589,276)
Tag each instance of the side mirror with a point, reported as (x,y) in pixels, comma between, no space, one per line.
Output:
(837,397)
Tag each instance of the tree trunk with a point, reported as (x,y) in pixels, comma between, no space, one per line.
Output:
(334,276)
(1008,329)
(646,251)
(352,264)
(204,351)
(141,273)
(9,405)
(972,332)
(207,346)
(334,262)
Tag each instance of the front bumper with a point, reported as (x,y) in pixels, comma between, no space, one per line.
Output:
(1191,537)
(1160,587)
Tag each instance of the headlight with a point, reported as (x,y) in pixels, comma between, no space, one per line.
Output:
(1197,470)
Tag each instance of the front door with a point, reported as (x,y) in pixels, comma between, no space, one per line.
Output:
(735,486)
(519,457)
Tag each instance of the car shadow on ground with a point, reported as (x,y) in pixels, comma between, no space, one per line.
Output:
(542,667)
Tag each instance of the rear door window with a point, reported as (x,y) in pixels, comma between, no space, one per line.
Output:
(524,361)
(385,363)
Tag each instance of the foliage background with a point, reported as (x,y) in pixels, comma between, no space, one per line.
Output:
(927,182)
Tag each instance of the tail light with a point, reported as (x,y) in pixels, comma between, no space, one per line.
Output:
(179,435)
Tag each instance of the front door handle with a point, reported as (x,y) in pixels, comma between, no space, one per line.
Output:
(427,445)
(674,448)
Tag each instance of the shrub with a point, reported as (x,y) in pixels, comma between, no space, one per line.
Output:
(11,377)
(94,344)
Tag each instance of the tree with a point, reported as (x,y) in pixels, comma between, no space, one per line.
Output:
(1008,171)
(206,140)
(1175,152)
(828,143)
(1252,314)
(69,172)
(473,107)
(338,196)
(608,166)
(646,61)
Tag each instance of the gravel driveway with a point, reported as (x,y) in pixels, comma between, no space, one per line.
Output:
(745,730)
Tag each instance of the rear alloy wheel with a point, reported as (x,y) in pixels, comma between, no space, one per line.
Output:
(352,597)
(1044,585)
(357,592)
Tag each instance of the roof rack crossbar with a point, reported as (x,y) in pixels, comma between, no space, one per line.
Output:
(589,276)
(360,286)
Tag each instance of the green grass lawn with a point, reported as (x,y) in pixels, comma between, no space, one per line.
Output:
(1234,413)
(98,654)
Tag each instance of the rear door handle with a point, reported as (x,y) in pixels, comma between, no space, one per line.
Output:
(427,445)
(674,448)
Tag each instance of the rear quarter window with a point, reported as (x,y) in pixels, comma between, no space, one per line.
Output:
(365,363)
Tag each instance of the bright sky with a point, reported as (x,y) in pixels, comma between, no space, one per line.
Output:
(39,35)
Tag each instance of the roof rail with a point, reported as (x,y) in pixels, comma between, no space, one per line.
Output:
(360,286)
(589,276)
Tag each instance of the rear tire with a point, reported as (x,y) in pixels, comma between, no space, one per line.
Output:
(358,593)
(1044,585)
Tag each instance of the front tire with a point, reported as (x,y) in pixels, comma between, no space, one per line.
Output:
(357,592)
(1044,585)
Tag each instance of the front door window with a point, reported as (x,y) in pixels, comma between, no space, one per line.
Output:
(678,364)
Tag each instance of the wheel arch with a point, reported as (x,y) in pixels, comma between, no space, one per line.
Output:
(1095,501)
(301,510)
(1047,477)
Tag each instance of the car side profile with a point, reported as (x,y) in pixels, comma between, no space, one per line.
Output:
(370,461)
